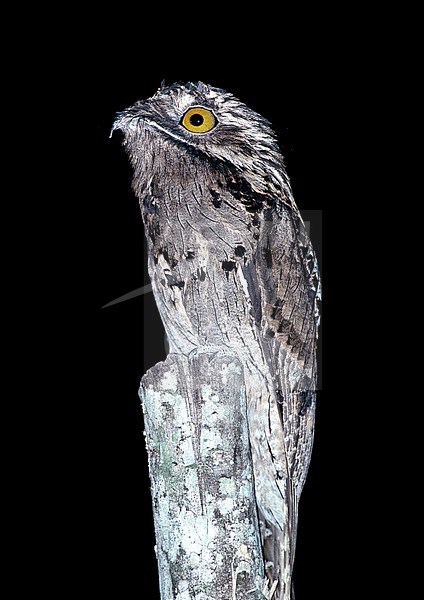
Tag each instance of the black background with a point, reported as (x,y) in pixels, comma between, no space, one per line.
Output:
(103,537)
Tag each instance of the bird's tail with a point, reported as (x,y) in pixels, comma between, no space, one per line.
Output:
(279,546)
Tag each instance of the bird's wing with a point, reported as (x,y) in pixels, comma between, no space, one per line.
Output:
(284,286)
(284,289)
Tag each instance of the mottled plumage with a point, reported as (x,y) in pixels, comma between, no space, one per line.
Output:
(232,268)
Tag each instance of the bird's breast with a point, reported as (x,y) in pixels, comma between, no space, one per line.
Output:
(198,251)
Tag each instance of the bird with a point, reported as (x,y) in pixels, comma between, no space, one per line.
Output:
(232,267)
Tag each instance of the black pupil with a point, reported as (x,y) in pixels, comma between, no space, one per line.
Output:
(196,120)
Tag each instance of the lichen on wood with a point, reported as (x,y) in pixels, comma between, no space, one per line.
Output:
(207,533)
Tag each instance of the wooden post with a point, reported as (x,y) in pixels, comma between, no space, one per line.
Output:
(207,533)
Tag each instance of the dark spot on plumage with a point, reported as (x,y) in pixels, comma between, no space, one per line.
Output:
(190,255)
(239,251)
(318,300)
(228,266)
(216,201)
(256,236)
(255,221)
(252,207)
(291,336)
(282,328)
(234,190)
(242,191)
(173,281)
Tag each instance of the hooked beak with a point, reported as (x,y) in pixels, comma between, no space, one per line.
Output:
(130,118)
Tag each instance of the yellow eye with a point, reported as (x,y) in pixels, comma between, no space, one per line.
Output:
(199,120)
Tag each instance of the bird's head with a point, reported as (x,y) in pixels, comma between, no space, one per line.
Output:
(196,119)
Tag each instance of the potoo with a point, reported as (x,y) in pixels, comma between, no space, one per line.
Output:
(232,268)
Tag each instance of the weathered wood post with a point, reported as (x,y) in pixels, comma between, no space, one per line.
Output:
(207,533)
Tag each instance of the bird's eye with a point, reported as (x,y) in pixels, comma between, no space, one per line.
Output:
(199,120)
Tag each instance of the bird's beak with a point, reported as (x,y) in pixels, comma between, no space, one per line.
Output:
(131,118)
(121,122)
